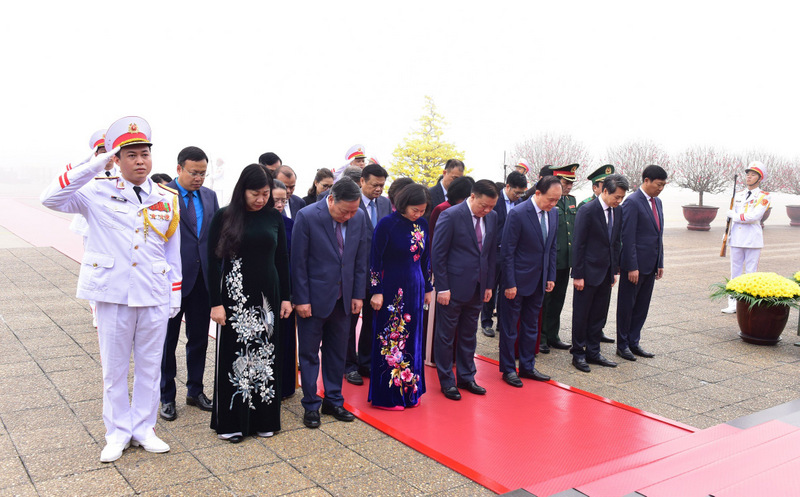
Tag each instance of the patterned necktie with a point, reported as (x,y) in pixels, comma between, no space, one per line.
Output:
(373,213)
(191,213)
(543,224)
(138,190)
(610,221)
(339,238)
(478,233)
(655,213)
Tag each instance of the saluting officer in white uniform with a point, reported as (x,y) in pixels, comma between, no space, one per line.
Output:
(79,226)
(355,156)
(746,237)
(132,268)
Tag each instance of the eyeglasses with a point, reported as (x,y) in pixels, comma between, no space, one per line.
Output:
(197,175)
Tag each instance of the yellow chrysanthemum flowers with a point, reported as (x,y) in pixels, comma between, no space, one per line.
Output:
(762,285)
(797,276)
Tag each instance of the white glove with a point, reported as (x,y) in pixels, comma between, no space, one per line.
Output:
(103,159)
(732,214)
(173,311)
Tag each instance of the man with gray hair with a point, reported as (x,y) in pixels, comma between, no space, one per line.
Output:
(329,281)
(595,265)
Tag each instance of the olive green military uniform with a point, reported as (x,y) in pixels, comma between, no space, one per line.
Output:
(554,301)
(586,201)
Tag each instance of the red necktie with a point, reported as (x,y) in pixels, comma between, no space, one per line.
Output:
(655,213)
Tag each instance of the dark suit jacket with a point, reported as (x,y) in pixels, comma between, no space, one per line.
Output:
(383,207)
(437,197)
(295,204)
(317,267)
(642,242)
(457,264)
(526,256)
(593,254)
(194,249)
(500,209)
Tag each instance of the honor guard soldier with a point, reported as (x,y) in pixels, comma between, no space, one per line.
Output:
(522,167)
(746,237)
(132,268)
(554,301)
(355,156)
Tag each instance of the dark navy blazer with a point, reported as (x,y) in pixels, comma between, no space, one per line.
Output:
(642,241)
(593,254)
(526,256)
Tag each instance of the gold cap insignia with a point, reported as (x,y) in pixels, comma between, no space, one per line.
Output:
(133,128)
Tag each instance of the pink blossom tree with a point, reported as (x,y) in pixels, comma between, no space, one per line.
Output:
(630,159)
(705,169)
(551,150)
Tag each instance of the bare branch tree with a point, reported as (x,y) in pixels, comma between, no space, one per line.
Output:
(630,159)
(705,169)
(551,150)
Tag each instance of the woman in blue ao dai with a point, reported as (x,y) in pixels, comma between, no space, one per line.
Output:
(400,280)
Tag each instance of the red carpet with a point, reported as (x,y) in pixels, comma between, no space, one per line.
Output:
(40,228)
(517,437)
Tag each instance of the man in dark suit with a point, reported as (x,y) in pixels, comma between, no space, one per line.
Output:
(289,178)
(197,206)
(595,265)
(329,280)
(515,186)
(272,161)
(453,169)
(642,260)
(376,207)
(529,271)
(463,260)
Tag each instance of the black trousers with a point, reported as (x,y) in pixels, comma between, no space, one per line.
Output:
(589,311)
(197,310)
(359,355)
(633,303)
(552,306)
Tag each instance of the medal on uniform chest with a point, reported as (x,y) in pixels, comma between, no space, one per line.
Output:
(165,208)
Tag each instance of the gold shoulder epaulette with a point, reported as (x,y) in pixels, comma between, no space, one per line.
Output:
(171,190)
(106,177)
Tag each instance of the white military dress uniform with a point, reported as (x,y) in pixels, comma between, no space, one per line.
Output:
(746,238)
(132,268)
(353,153)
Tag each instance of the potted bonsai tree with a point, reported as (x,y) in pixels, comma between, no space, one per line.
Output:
(763,301)
(701,170)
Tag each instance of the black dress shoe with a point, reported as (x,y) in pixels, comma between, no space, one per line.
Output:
(235,439)
(337,412)
(544,348)
(451,393)
(512,379)
(558,344)
(472,387)
(488,331)
(200,401)
(626,354)
(311,419)
(168,411)
(605,339)
(354,378)
(641,352)
(533,375)
(601,361)
(580,364)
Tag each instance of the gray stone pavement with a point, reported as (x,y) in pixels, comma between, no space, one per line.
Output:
(50,379)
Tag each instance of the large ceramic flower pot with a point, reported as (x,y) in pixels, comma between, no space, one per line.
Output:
(699,216)
(761,325)
(793,211)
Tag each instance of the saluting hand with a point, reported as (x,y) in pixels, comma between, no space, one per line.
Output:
(218,315)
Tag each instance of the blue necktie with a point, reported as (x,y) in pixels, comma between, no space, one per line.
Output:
(372,213)
(544,225)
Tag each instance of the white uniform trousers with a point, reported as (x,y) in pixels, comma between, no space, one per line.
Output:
(122,329)
(743,261)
